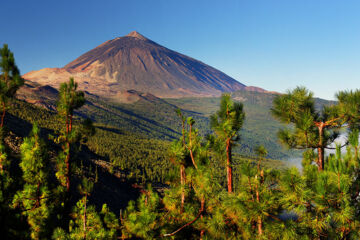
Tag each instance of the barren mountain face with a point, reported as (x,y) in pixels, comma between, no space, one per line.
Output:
(136,63)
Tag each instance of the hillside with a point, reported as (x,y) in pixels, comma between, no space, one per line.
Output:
(120,158)
(154,118)
(111,186)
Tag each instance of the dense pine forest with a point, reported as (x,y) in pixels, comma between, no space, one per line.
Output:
(58,168)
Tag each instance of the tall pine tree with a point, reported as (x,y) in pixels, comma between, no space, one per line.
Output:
(226,123)
(69,100)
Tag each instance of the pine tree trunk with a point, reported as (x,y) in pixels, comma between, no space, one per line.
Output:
(70,125)
(182,180)
(67,155)
(202,232)
(3,114)
(1,165)
(258,166)
(67,162)
(321,147)
(259,221)
(259,225)
(67,159)
(228,166)
(67,125)
(320,158)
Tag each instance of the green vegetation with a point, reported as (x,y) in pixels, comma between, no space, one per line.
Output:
(320,203)
(129,133)
(314,129)
(197,205)
(10,81)
(86,222)
(33,200)
(259,126)
(137,157)
(155,118)
(210,192)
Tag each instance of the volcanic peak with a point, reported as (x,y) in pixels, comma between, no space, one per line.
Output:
(135,62)
(137,35)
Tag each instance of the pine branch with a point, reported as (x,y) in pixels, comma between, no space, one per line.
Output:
(184,226)
(345,144)
(189,223)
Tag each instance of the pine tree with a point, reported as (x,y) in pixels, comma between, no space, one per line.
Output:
(10,79)
(86,222)
(261,152)
(312,129)
(325,202)
(110,221)
(252,211)
(178,156)
(85,189)
(34,198)
(69,100)
(142,218)
(200,194)
(226,123)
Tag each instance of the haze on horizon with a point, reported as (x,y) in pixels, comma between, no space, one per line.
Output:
(275,45)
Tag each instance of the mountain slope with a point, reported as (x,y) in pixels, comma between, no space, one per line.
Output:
(147,116)
(134,62)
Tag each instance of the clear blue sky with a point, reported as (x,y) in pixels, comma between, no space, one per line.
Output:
(272,44)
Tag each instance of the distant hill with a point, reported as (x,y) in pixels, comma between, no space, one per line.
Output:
(134,62)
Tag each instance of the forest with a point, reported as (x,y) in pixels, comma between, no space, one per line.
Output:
(207,191)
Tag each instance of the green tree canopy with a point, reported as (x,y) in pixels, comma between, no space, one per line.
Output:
(34,198)
(69,100)
(314,129)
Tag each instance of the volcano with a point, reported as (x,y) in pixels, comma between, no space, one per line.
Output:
(134,62)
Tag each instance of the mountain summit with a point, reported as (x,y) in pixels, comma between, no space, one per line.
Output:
(135,34)
(134,62)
